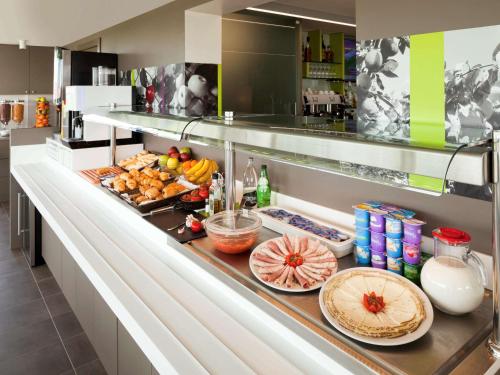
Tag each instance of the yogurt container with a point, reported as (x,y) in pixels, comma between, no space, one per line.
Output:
(412,230)
(374,204)
(363,236)
(411,253)
(363,254)
(381,265)
(393,227)
(394,247)
(377,241)
(362,215)
(395,265)
(377,220)
(412,272)
(379,257)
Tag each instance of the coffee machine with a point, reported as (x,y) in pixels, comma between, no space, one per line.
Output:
(80,100)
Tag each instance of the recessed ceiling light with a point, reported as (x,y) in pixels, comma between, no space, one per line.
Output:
(301,17)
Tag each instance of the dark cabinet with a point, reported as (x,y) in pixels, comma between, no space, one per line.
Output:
(28,71)
(41,69)
(13,70)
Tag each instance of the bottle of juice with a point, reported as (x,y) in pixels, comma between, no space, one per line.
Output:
(263,188)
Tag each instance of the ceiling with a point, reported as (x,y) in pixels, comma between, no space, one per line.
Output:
(60,22)
(334,10)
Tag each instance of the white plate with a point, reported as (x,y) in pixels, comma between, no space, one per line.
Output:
(275,286)
(382,341)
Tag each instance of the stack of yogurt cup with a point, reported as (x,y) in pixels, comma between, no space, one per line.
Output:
(387,237)
(363,238)
(412,253)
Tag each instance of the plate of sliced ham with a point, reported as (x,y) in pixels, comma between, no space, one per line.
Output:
(292,264)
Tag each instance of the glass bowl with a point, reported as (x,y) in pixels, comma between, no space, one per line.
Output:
(233,232)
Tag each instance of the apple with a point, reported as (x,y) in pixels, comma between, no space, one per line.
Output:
(198,85)
(162,160)
(175,155)
(172,163)
(172,150)
(179,81)
(184,96)
(185,150)
(185,156)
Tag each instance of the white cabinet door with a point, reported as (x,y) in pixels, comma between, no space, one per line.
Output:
(69,267)
(85,303)
(105,339)
(131,360)
(51,251)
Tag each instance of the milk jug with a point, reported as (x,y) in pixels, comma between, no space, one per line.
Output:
(454,278)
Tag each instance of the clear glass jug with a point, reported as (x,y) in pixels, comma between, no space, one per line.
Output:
(454,278)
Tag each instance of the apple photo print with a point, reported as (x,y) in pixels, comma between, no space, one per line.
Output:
(383,86)
(472,86)
(185,89)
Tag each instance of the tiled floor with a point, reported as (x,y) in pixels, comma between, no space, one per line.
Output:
(39,334)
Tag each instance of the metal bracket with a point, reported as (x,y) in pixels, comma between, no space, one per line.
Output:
(494,340)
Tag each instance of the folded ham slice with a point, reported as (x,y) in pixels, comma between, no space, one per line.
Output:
(288,244)
(266,259)
(302,281)
(273,276)
(273,246)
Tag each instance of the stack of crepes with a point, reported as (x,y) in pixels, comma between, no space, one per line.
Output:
(403,311)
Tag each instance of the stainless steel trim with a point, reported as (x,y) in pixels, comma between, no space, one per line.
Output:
(112,145)
(469,166)
(19,197)
(494,340)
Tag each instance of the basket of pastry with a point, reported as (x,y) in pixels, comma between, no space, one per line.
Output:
(131,182)
(139,161)
(148,189)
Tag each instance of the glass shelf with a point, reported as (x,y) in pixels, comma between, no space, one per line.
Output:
(312,142)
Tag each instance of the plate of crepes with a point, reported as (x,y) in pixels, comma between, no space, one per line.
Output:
(292,264)
(376,306)
(141,160)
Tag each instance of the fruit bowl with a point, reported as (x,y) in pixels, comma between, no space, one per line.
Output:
(233,232)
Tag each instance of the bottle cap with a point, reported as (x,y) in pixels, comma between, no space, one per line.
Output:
(264,166)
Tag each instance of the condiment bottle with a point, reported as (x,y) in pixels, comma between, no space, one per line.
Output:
(263,188)
(249,199)
(215,196)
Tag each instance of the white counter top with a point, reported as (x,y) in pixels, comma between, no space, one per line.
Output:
(185,315)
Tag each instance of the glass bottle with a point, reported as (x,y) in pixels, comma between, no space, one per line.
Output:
(307,51)
(249,199)
(263,188)
(215,196)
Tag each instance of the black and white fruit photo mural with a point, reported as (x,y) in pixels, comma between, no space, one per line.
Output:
(184,89)
(472,88)
(383,87)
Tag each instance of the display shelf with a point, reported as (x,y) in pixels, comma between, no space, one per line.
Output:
(323,141)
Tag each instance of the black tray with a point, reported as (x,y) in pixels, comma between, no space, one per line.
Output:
(169,219)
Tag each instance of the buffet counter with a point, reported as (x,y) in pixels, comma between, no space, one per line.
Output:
(194,310)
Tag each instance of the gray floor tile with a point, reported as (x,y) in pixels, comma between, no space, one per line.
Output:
(22,315)
(80,350)
(41,272)
(13,265)
(10,280)
(92,368)
(49,286)
(21,340)
(49,360)
(57,304)
(68,325)
(23,292)
(7,253)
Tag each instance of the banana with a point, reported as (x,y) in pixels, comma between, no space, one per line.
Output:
(196,167)
(203,169)
(204,178)
(192,178)
(215,167)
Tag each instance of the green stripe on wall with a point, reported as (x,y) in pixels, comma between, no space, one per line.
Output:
(219,90)
(427,98)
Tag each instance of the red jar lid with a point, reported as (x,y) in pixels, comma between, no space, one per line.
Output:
(452,236)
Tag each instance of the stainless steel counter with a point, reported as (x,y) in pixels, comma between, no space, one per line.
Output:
(449,341)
